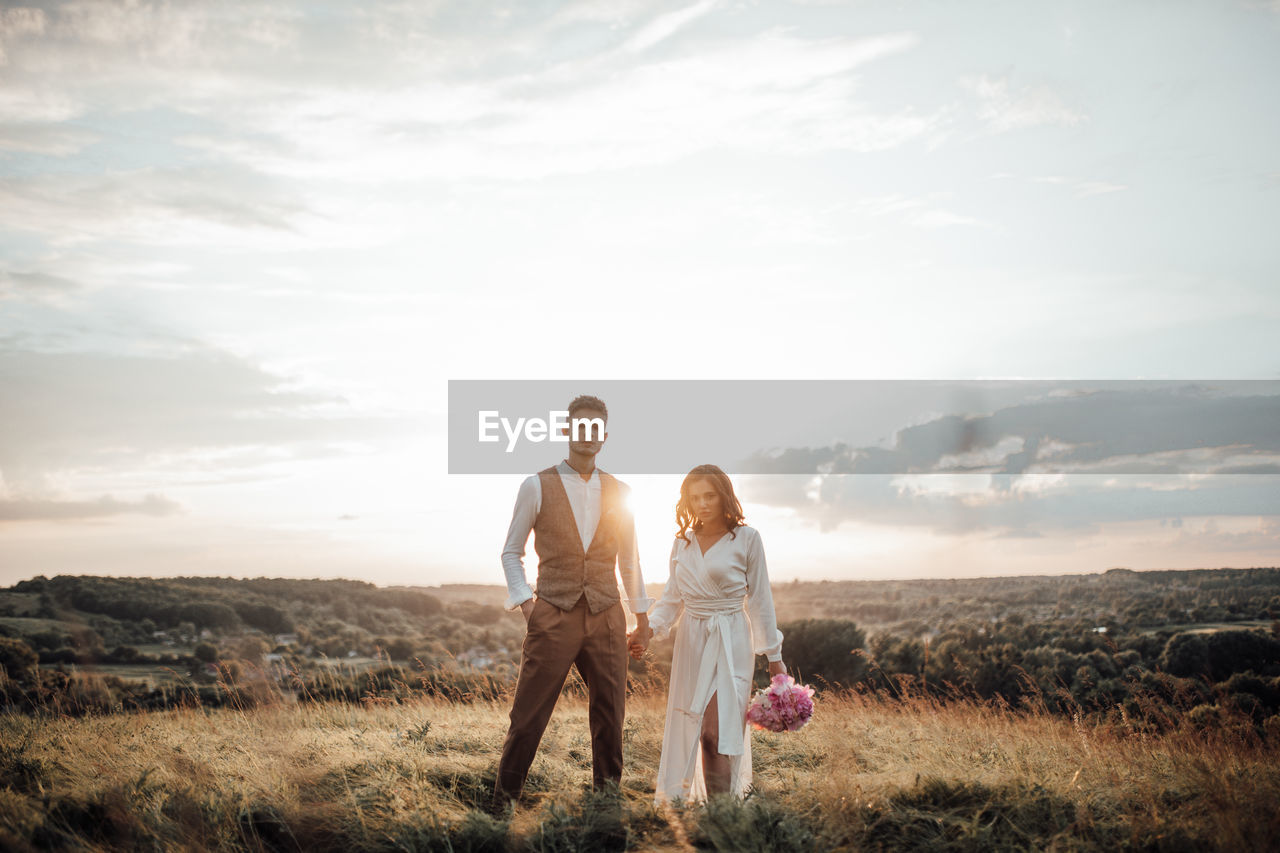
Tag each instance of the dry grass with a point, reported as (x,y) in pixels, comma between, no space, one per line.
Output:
(865,774)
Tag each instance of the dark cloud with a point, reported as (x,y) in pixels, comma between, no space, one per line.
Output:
(1124,454)
(52,510)
(1178,429)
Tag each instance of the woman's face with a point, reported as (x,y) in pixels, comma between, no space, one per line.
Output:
(704,500)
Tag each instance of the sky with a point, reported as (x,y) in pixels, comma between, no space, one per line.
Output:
(244,247)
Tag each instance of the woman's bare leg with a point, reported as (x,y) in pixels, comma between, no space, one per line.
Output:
(715,767)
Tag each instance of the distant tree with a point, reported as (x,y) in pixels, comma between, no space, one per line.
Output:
(1086,677)
(417,603)
(265,617)
(1267,690)
(475,613)
(65,654)
(825,648)
(34,585)
(124,654)
(50,639)
(1243,651)
(1185,655)
(230,671)
(86,638)
(895,655)
(251,649)
(210,614)
(206,652)
(17,658)
(401,648)
(1219,655)
(46,609)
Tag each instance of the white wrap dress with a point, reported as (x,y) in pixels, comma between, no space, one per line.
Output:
(724,607)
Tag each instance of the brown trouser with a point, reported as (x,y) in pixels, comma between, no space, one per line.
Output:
(597,644)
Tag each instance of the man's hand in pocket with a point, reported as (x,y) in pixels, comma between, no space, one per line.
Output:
(527,609)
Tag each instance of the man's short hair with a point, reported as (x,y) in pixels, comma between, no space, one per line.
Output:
(586,401)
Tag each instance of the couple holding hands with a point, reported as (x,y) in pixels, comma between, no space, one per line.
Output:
(717,591)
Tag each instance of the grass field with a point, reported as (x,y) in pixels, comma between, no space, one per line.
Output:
(153,675)
(33,625)
(1211,627)
(865,774)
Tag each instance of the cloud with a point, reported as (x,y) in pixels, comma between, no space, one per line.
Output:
(919,212)
(1080,188)
(151,206)
(199,407)
(225,206)
(33,283)
(18,23)
(945,219)
(666,25)
(48,139)
(1004,108)
(36,108)
(772,92)
(138,37)
(54,510)
(268,81)
(1262,535)
(264,126)
(1084,189)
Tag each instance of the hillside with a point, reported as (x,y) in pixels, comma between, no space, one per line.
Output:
(1203,641)
(1120,710)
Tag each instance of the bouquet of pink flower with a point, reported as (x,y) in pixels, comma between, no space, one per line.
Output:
(783,707)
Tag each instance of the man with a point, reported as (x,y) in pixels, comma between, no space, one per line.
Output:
(582,528)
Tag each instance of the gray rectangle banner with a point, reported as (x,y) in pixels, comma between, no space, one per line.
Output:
(877,426)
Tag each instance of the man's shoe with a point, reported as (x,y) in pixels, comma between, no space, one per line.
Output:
(500,805)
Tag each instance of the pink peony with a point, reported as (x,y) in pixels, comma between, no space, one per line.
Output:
(783,707)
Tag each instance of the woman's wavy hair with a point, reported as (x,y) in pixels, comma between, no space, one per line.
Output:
(728,500)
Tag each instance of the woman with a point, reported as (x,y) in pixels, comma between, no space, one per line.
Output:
(720,583)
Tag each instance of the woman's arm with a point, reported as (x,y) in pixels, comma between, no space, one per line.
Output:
(765,636)
(665,614)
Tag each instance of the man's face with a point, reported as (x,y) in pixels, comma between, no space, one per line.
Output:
(590,437)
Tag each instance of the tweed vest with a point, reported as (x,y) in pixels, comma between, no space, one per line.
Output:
(565,571)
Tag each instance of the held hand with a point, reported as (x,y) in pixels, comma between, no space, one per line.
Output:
(526,608)
(638,641)
(777,667)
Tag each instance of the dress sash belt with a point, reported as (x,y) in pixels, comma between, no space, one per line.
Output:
(717,657)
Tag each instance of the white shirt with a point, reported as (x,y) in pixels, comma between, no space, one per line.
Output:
(584,501)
